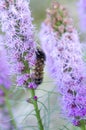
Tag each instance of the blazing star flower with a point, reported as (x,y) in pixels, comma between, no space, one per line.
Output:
(64,61)
(82,14)
(4,67)
(5,81)
(16,22)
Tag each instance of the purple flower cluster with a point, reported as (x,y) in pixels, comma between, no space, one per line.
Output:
(65,64)
(82,14)
(5,84)
(16,22)
(4,71)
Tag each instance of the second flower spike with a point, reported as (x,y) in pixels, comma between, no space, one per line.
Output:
(60,42)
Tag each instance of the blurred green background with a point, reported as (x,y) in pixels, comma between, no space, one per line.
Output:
(38,8)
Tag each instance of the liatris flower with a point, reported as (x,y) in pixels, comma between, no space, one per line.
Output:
(82,14)
(5,83)
(4,73)
(61,45)
(5,80)
(16,22)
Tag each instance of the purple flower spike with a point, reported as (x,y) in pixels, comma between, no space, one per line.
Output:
(19,38)
(4,67)
(5,81)
(64,62)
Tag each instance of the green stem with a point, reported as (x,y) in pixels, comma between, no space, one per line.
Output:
(8,105)
(82,125)
(37,111)
(10,112)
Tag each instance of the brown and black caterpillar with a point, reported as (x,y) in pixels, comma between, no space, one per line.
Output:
(39,66)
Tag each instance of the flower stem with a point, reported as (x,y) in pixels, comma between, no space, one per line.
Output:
(82,125)
(10,112)
(37,111)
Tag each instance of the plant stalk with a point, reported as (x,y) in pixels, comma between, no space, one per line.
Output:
(82,125)
(37,111)
(10,112)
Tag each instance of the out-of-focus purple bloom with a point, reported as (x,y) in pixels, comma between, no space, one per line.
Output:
(4,67)
(82,14)
(5,81)
(4,70)
(5,84)
(65,64)
(19,34)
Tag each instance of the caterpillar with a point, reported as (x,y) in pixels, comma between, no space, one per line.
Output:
(39,66)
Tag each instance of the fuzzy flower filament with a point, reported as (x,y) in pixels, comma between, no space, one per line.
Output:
(16,22)
(64,61)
